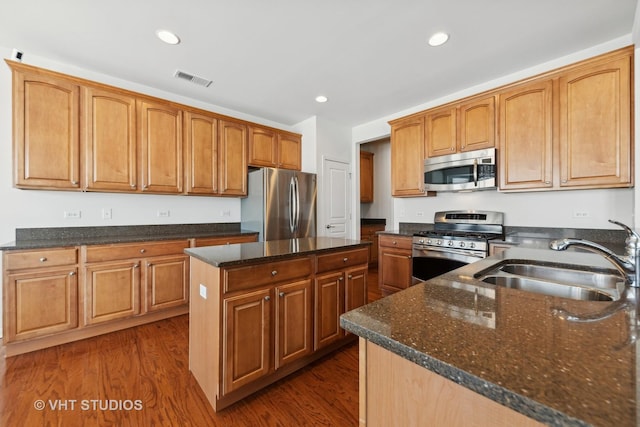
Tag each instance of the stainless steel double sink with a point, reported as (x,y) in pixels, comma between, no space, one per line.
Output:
(558,281)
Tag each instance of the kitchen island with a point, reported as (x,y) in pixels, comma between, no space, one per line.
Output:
(454,348)
(260,311)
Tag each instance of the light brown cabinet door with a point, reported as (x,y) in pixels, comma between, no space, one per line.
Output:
(595,125)
(41,302)
(407,157)
(477,124)
(441,128)
(233,167)
(111,291)
(109,140)
(263,147)
(394,269)
(366,177)
(526,137)
(246,339)
(201,153)
(329,305)
(289,151)
(355,289)
(167,282)
(294,322)
(161,147)
(46,131)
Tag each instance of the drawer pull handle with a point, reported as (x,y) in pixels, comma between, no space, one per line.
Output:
(345,259)
(274,272)
(281,294)
(267,298)
(73,273)
(43,259)
(143,251)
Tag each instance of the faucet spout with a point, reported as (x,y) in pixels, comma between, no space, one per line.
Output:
(628,265)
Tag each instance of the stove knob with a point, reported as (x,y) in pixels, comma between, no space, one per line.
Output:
(462,244)
(438,242)
(472,245)
(450,243)
(421,241)
(428,241)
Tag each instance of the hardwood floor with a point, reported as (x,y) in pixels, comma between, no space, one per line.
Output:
(140,377)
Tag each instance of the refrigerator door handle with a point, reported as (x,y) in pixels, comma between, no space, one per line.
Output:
(292,225)
(297,194)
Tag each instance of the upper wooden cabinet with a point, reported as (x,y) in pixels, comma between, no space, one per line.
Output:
(366,177)
(595,124)
(272,148)
(407,157)
(46,131)
(233,169)
(461,127)
(109,140)
(75,134)
(526,131)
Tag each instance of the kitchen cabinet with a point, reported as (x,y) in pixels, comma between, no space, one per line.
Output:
(125,280)
(366,177)
(232,167)
(395,263)
(46,131)
(368,232)
(461,127)
(407,157)
(201,153)
(36,279)
(595,124)
(525,159)
(275,149)
(161,160)
(109,140)
(294,322)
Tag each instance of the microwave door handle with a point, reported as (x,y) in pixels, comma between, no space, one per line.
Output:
(475,172)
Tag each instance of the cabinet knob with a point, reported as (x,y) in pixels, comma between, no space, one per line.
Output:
(395,243)
(341,279)
(267,298)
(43,259)
(143,251)
(72,273)
(74,182)
(281,294)
(133,185)
(148,264)
(547,182)
(564,181)
(145,186)
(274,272)
(408,256)
(345,259)
(136,265)
(350,276)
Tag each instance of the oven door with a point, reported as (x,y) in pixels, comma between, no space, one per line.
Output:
(432,262)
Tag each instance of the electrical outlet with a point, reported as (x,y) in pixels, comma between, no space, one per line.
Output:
(106,213)
(581,214)
(76,214)
(420,213)
(203,291)
(225,213)
(164,213)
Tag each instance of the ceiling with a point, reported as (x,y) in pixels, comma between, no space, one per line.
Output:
(271,58)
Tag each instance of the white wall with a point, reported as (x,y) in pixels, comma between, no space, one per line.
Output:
(543,209)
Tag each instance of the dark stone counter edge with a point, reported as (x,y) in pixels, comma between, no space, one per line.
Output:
(271,258)
(78,236)
(373,221)
(505,397)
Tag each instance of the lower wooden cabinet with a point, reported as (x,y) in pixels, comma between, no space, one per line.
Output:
(329,305)
(112,291)
(395,264)
(167,282)
(294,322)
(368,232)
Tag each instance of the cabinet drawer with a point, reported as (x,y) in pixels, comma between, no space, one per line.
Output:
(402,242)
(338,260)
(264,274)
(134,250)
(40,258)
(225,240)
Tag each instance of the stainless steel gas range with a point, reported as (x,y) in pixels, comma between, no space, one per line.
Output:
(458,238)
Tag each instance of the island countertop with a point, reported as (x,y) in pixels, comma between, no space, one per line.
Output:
(248,253)
(510,346)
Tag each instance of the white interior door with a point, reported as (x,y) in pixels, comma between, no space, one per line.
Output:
(337,210)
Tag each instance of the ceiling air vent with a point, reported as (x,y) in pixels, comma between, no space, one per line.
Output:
(191,78)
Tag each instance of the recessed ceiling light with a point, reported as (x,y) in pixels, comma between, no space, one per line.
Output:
(168,37)
(438,39)
(321,99)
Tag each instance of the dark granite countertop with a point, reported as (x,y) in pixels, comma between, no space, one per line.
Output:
(37,238)
(258,252)
(373,221)
(508,345)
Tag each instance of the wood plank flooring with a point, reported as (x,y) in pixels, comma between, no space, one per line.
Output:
(140,377)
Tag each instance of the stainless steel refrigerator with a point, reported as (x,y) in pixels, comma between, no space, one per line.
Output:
(281,204)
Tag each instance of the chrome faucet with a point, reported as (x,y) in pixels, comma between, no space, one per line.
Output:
(628,264)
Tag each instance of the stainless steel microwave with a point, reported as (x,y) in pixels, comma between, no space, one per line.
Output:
(469,171)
